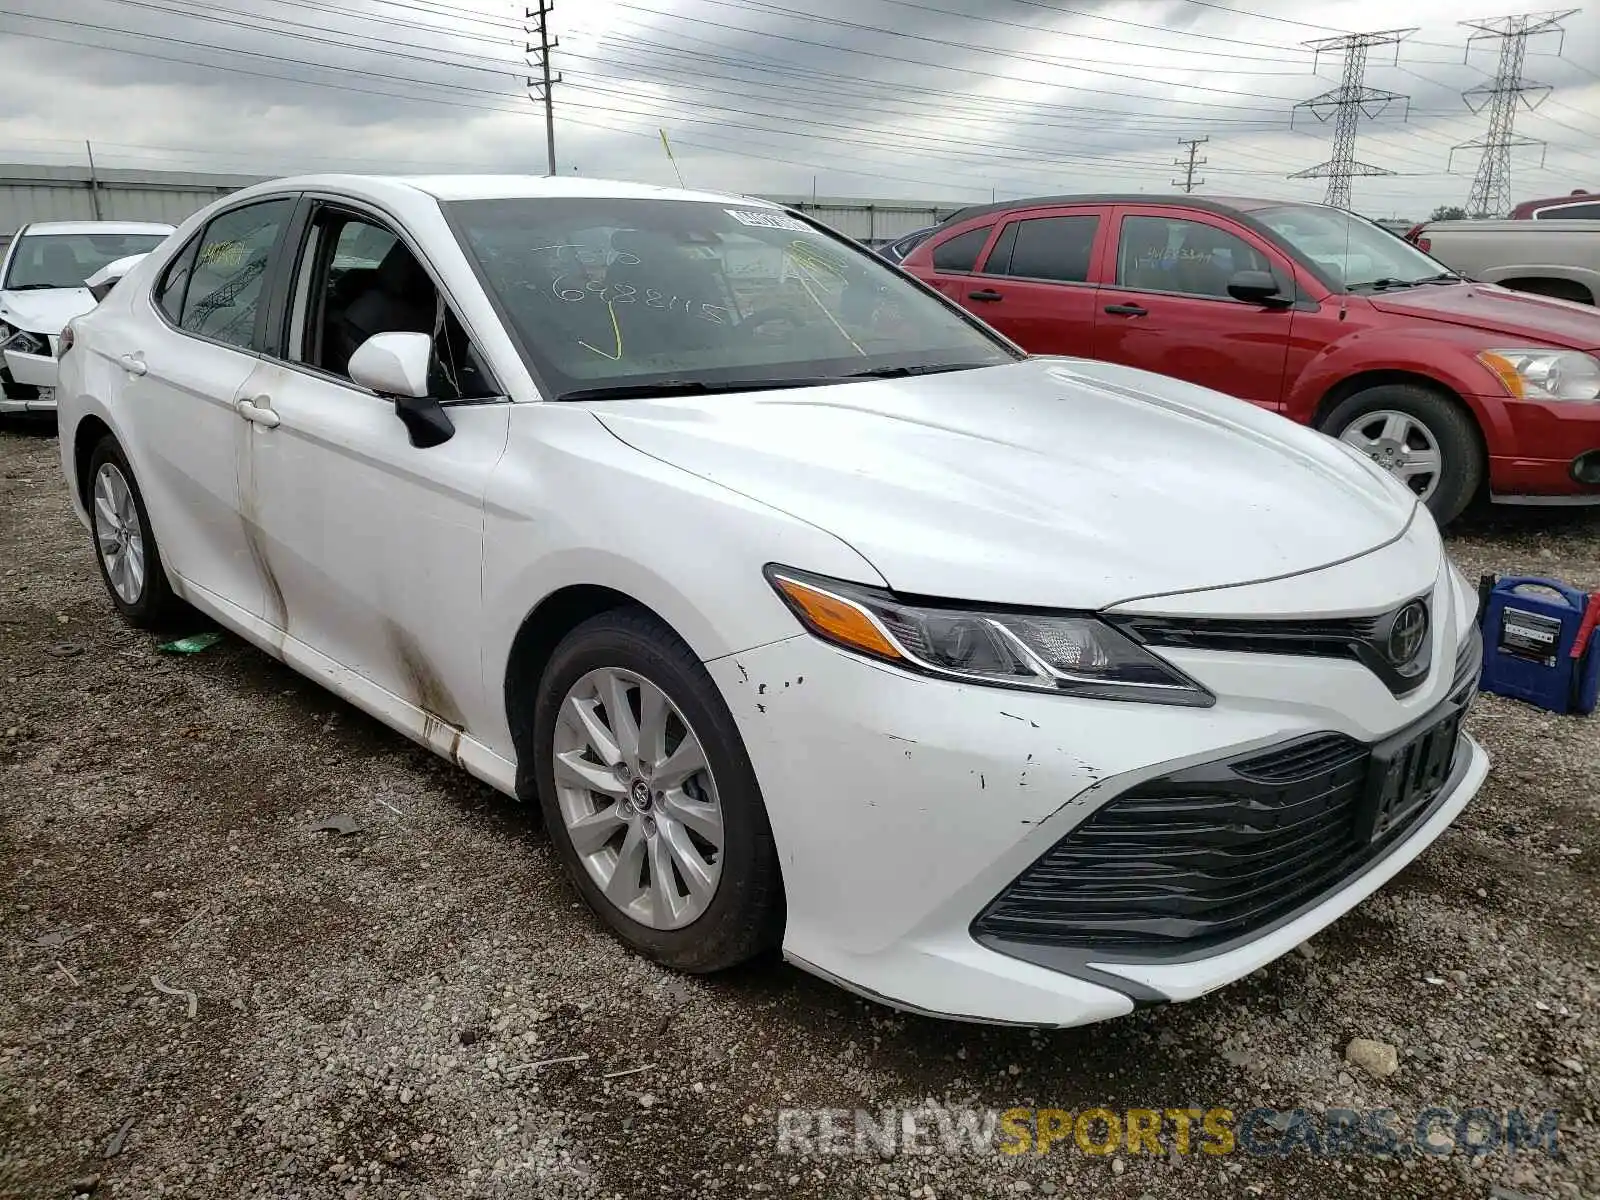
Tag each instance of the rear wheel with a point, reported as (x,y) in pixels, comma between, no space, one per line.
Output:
(650,798)
(125,545)
(1425,440)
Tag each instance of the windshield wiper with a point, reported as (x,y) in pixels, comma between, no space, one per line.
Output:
(904,372)
(1383,284)
(1443,277)
(42,287)
(690,387)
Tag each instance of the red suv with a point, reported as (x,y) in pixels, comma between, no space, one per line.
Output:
(1456,387)
(1577,206)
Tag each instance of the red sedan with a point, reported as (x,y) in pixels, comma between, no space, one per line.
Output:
(1460,389)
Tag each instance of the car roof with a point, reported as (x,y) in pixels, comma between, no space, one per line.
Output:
(1578,197)
(501,187)
(1219,204)
(62,227)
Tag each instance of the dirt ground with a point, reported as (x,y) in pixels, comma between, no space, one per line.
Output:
(202,995)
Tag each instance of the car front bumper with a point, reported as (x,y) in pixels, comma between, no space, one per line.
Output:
(28,383)
(902,807)
(32,370)
(1533,446)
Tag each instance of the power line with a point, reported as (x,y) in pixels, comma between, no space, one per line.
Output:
(1491,186)
(1210,37)
(999,105)
(853,139)
(880,56)
(1347,104)
(1189,182)
(988,19)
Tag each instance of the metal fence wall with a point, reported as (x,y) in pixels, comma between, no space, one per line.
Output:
(31,193)
(870,220)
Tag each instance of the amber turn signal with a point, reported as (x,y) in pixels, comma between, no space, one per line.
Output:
(835,618)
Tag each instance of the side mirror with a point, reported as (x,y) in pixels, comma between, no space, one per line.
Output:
(103,280)
(1256,287)
(396,365)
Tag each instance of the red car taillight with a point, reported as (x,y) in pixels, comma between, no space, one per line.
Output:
(1424,245)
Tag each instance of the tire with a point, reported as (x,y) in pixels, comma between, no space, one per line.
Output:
(152,605)
(1440,419)
(744,913)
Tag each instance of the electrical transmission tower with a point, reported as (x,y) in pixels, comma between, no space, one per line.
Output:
(1188,183)
(540,86)
(1347,104)
(1491,186)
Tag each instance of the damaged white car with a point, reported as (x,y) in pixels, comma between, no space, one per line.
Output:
(812,612)
(43,285)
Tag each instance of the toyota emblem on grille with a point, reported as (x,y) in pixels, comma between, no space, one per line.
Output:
(1407,632)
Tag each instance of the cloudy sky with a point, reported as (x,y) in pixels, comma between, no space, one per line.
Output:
(950,100)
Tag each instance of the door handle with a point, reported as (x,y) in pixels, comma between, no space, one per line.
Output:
(1127,310)
(257,415)
(988,295)
(133,363)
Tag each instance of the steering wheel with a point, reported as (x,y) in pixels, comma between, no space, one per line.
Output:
(774,325)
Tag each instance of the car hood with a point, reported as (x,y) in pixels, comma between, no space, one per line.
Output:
(1052,482)
(44,311)
(1498,310)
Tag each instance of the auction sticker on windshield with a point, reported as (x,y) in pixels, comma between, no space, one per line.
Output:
(767,220)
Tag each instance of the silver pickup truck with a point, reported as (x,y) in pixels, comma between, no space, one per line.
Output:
(1551,258)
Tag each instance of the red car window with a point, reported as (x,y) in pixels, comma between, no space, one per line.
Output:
(960,253)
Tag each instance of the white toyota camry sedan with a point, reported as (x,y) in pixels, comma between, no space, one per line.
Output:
(812,613)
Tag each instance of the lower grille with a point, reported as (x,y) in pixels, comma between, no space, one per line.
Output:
(1201,856)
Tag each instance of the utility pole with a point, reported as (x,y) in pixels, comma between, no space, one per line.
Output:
(1188,183)
(541,87)
(1347,104)
(94,181)
(1491,186)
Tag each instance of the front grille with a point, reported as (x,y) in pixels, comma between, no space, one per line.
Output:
(1361,639)
(1200,856)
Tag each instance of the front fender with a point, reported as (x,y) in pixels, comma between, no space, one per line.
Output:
(1444,355)
(570,504)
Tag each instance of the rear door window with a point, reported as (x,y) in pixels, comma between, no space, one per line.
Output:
(961,252)
(175,281)
(1053,249)
(223,296)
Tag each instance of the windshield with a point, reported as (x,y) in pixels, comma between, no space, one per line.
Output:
(65,260)
(607,293)
(1356,253)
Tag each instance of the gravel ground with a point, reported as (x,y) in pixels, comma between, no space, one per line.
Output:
(360,1016)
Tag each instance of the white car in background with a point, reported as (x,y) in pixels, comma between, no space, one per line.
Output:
(810,611)
(43,286)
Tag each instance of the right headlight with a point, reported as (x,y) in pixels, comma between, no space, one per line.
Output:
(1062,653)
(1544,374)
(24,342)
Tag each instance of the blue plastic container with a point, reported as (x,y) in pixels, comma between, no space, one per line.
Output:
(1531,647)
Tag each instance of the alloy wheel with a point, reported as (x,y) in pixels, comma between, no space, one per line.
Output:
(638,799)
(118,533)
(1401,445)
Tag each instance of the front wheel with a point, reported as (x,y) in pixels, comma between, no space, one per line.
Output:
(650,798)
(1425,440)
